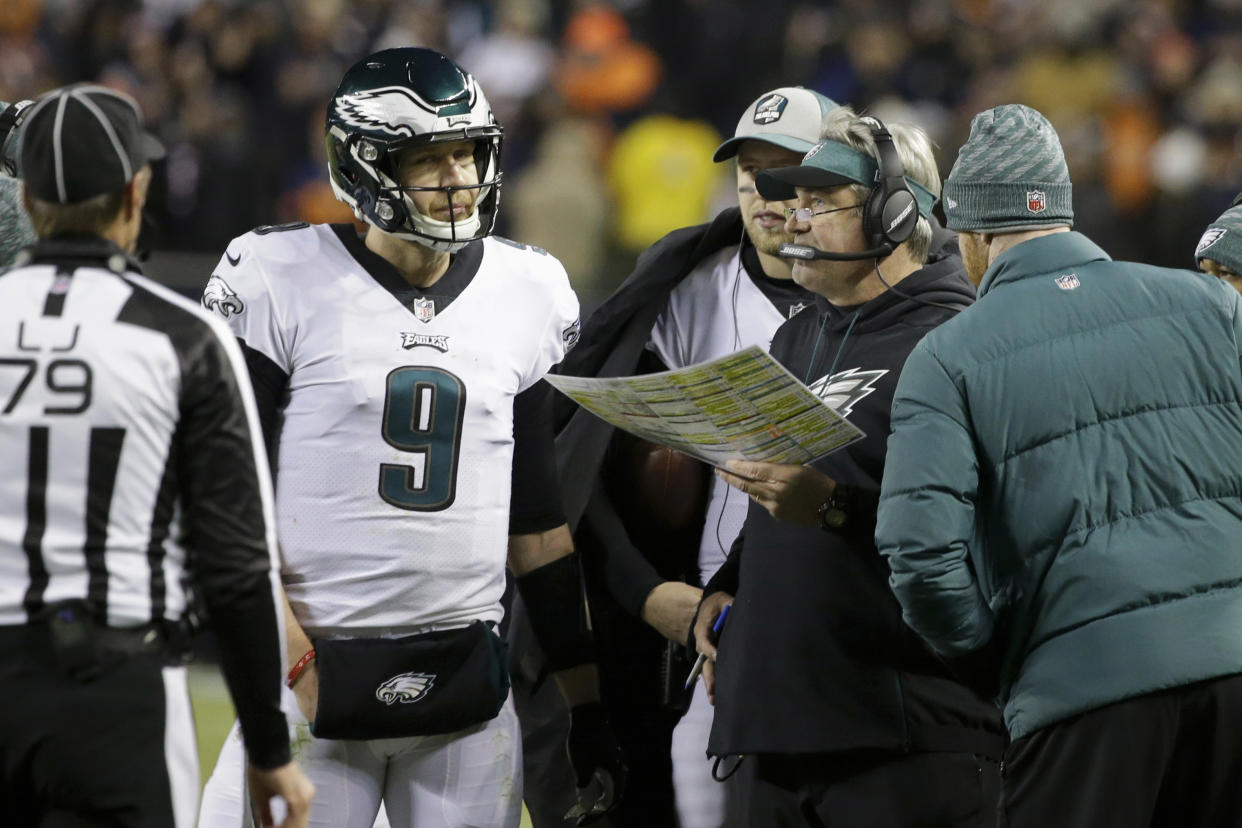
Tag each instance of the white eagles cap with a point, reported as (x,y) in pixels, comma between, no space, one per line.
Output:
(788,117)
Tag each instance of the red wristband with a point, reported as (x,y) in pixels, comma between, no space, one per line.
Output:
(296,671)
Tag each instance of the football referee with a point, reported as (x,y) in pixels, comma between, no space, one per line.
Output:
(133,477)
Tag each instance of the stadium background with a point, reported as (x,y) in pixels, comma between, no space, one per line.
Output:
(612,110)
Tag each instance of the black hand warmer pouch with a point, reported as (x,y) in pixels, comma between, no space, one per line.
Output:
(417,685)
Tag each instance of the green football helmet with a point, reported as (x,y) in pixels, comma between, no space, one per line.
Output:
(392,101)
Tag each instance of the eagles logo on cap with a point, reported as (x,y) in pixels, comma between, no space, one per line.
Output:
(811,153)
(1209,238)
(770,108)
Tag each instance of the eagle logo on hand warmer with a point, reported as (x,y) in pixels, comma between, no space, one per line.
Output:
(405,688)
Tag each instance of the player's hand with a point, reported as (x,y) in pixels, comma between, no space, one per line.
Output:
(306,691)
(599,767)
(791,493)
(287,782)
(670,609)
(709,611)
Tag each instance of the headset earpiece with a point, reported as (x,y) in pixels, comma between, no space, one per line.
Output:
(890,212)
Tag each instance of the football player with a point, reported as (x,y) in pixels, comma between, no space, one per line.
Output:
(398,375)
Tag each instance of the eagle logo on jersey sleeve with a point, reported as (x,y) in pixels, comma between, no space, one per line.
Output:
(221,298)
(571,335)
(405,688)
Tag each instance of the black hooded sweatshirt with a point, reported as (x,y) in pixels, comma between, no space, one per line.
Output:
(814,656)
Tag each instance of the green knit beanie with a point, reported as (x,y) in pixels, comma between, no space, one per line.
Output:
(1222,241)
(15,229)
(1010,175)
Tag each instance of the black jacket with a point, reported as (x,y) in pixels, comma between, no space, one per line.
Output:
(814,657)
(612,345)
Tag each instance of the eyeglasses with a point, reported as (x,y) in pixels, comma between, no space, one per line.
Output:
(807,213)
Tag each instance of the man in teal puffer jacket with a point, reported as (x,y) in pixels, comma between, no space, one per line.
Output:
(1062,504)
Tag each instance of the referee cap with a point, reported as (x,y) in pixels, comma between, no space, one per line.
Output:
(788,117)
(82,141)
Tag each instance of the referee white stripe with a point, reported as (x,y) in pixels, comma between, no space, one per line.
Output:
(80,96)
(58,154)
(180,752)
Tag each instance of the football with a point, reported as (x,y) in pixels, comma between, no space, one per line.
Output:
(658,492)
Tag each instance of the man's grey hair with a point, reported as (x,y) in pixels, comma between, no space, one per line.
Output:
(914,148)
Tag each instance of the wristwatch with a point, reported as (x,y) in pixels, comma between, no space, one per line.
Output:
(848,504)
(834,512)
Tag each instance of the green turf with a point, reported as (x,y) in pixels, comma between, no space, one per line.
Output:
(213,714)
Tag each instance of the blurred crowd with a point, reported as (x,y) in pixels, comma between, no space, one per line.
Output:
(612,109)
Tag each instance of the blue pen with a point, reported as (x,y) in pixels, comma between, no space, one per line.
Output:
(702,659)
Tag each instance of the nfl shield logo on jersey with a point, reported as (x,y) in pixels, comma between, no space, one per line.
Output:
(1035,201)
(1068,282)
(424,309)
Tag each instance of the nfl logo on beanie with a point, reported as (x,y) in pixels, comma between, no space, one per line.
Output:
(1010,175)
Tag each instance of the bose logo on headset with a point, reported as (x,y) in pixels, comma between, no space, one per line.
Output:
(900,218)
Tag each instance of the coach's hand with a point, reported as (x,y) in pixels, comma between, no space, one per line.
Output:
(670,607)
(597,761)
(791,493)
(287,782)
(704,642)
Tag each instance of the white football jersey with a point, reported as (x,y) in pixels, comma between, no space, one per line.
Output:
(717,310)
(394,456)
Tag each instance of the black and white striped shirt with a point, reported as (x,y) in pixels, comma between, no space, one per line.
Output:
(134,465)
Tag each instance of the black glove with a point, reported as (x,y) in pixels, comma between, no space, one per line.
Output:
(599,767)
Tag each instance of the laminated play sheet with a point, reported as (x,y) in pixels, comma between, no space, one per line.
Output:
(744,405)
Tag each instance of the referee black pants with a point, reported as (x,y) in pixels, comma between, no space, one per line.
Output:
(1171,759)
(114,751)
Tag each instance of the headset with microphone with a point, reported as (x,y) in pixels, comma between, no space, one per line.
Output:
(890,212)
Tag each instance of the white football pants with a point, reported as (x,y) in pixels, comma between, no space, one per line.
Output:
(457,780)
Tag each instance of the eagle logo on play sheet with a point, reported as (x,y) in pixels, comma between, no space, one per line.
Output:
(221,298)
(842,391)
(406,688)
(770,108)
